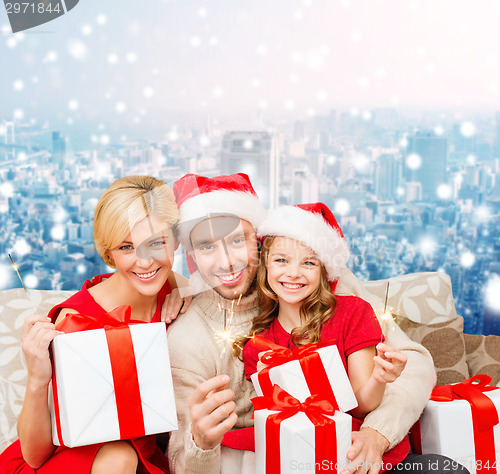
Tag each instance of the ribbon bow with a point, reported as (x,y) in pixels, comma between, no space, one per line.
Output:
(308,357)
(484,415)
(315,406)
(278,355)
(116,318)
(483,409)
(123,367)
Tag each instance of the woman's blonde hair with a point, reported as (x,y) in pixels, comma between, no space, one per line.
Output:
(315,310)
(126,202)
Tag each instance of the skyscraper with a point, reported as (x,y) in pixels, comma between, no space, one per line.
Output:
(257,155)
(387,176)
(429,166)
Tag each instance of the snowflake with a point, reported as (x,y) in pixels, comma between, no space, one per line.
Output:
(467,129)
(18,114)
(120,107)
(195,41)
(148,92)
(493,293)
(31,281)
(58,232)
(18,85)
(131,57)
(439,130)
(104,139)
(444,191)
(50,57)
(342,207)
(101,19)
(78,49)
(21,248)
(112,58)
(7,189)
(73,104)
(467,259)
(81,268)
(414,161)
(427,246)
(5,275)
(86,30)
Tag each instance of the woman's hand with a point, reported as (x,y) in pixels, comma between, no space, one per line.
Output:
(174,305)
(389,363)
(38,332)
(261,365)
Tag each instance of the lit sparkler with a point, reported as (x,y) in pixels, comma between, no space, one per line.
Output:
(22,283)
(226,335)
(386,316)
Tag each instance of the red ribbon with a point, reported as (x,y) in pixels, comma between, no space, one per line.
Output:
(123,366)
(315,407)
(310,363)
(484,416)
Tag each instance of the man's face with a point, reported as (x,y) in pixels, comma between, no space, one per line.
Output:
(226,253)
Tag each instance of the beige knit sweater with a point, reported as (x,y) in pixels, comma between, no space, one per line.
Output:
(197,356)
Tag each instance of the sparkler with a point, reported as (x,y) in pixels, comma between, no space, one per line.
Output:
(22,283)
(386,316)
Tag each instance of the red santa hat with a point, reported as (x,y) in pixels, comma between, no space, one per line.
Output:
(315,226)
(199,198)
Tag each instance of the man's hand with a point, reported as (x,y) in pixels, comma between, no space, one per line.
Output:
(365,453)
(389,363)
(212,412)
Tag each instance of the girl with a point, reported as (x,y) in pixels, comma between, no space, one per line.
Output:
(303,252)
(133,224)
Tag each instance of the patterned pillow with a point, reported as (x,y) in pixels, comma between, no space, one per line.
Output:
(421,297)
(14,307)
(445,342)
(483,356)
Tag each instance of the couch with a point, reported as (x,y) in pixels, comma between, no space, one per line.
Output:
(421,304)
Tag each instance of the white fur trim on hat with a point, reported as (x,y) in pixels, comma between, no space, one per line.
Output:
(312,230)
(246,206)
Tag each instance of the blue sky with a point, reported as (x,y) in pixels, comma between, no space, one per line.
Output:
(140,63)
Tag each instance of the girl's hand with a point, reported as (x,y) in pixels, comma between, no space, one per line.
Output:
(389,363)
(38,332)
(174,305)
(261,365)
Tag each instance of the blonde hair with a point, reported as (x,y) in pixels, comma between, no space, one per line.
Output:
(315,310)
(126,202)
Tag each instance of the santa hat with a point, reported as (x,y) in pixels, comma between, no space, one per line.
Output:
(316,227)
(199,198)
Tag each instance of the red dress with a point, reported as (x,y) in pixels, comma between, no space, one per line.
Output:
(353,326)
(79,460)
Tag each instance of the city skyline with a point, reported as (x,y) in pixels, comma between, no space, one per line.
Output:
(404,204)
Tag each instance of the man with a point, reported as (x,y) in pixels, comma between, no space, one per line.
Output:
(212,394)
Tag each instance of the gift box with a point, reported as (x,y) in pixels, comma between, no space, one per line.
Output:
(461,422)
(296,437)
(305,371)
(110,383)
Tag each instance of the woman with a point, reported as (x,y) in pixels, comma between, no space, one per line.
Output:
(133,225)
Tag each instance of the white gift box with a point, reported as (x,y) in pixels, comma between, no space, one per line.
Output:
(85,389)
(289,377)
(446,428)
(297,445)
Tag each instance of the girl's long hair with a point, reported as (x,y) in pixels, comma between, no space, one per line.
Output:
(316,309)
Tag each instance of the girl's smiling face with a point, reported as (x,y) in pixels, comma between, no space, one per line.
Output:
(144,259)
(293,270)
